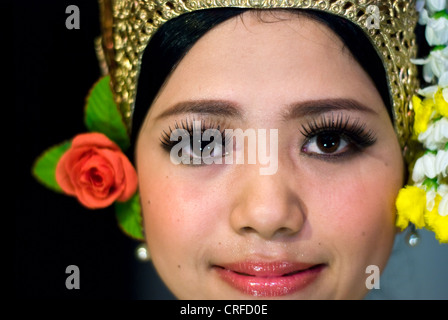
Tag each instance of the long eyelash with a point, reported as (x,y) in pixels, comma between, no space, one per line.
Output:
(354,130)
(188,125)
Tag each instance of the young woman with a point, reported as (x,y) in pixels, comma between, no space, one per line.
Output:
(337,108)
(307,231)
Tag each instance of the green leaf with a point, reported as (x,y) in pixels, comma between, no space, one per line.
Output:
(45,166)
(102,115)
(129,217)
(440,14)
(431,183)
(439,47)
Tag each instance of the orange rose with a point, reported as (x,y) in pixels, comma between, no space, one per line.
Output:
(96,171)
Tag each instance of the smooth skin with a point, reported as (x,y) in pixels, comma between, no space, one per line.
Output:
(338,212)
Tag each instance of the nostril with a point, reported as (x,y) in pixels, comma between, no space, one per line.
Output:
(247,230)
(286,232)
(283,230)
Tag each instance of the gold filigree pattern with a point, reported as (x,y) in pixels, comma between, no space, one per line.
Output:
(128,26)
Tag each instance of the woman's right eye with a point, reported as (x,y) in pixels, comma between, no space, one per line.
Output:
(206,146)
(208,150)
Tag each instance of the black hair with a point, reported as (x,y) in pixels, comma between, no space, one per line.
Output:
(174,39)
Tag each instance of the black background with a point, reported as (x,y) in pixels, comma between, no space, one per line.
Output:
(54,69)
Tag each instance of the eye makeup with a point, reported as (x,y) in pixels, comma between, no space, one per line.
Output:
(189,129)
(331,137)
(328,137)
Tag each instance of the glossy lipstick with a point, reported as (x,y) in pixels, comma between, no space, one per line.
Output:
(268,279)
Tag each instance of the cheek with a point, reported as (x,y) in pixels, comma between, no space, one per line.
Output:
(360,203)
(359,197)
(179,213)
(355,220)
(181,222)
(168,210)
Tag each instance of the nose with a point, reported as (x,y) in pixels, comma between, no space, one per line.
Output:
(267,207)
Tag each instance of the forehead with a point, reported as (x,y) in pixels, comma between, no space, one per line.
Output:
(269,55)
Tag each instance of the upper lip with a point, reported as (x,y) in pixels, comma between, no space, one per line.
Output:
(266,269)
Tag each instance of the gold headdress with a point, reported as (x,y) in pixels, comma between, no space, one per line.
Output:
(128,26)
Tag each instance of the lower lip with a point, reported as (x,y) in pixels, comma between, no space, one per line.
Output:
(270,286)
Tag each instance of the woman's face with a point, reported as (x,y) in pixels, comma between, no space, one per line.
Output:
(308,230)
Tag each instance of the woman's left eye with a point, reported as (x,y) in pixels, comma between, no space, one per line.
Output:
(327,143)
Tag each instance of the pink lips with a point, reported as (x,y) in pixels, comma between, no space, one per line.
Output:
(269,279)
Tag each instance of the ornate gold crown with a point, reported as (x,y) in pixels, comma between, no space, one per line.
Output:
(128,25)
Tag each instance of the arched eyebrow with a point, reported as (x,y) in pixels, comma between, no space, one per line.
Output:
(221,108)
(229,109)
(316,107)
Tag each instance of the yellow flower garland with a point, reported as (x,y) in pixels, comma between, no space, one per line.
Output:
(411,205)
(412,201)
(424,202)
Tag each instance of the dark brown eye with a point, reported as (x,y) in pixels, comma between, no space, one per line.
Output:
(328,142)
(335,136)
